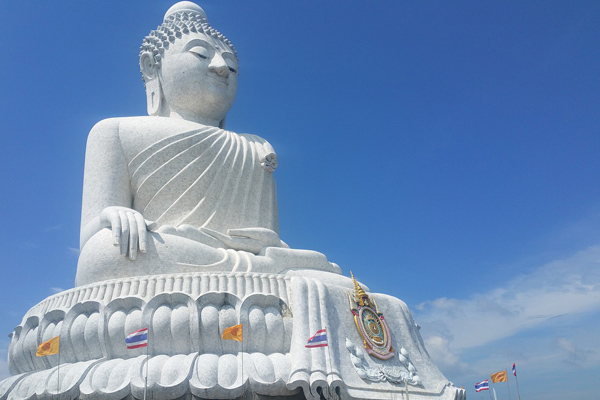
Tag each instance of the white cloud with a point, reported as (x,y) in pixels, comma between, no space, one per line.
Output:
(546,320)
(575,355)
(53,228)
(560,288)
(55,290)
(438,349)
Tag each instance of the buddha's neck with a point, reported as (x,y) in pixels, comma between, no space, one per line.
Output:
(194,118)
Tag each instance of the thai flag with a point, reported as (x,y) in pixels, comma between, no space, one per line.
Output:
(514,369)
(137,339)
(483,385)
(319,339)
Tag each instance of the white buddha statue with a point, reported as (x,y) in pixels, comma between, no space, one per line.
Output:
(179,235)
(174,191)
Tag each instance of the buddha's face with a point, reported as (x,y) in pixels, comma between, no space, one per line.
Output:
(198,76)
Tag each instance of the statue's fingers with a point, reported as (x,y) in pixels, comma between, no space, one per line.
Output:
(151,225)
(218,235)
(262,234)
(142,232)
(241,232)
(115,222)
(124,232)
(133,236)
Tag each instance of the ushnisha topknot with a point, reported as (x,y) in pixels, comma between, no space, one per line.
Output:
(182,18)
(184,6)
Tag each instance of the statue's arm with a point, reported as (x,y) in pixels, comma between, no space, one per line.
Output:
(107,198)
(253,240)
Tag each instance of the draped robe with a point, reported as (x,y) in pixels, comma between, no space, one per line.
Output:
(199,175)
(184,176)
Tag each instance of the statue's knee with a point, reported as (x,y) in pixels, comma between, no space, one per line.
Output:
(100,259)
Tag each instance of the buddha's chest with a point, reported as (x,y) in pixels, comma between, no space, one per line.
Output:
(142,136)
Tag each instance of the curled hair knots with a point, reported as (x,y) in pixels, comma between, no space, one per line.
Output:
(174,27)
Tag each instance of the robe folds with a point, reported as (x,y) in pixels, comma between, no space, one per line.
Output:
(203,177)
(190,179)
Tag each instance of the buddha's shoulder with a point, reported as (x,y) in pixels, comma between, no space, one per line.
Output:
(143,123)
(145,128)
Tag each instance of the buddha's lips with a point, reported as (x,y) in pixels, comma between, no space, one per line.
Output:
(220,79)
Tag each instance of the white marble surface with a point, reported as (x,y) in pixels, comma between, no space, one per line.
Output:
(187,313)
(172,191)
(179,233)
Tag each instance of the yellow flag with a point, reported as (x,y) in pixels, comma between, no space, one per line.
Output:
(499,377)
(49,347)
(233,333)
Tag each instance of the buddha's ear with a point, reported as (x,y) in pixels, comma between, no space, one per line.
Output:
(149,70)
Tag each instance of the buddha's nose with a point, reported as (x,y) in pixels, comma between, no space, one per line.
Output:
(218,65)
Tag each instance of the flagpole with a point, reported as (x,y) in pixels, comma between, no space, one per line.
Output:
(508,384)
(242,342)
(147,362)
(518,393)
(58,376)
(490,393)
(329,357)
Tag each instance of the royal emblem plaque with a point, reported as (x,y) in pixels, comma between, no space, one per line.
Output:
(370,323)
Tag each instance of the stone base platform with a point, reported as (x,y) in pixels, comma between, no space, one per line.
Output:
(186,357)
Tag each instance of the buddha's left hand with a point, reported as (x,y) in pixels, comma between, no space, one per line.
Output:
(252,240)
(129,229)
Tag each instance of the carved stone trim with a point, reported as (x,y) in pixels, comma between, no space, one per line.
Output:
(405,373)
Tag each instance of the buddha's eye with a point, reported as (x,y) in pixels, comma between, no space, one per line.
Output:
(200,51)
(232,65)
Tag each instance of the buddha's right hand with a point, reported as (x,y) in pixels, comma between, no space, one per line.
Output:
(252,240)
(129,229)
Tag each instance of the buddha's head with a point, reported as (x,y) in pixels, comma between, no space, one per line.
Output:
(190,70)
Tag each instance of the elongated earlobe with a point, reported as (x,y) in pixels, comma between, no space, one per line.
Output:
(149,70)
(153,96)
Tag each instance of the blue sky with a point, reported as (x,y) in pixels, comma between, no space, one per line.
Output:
(445,152)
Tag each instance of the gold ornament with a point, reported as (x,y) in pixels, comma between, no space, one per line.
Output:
(370,323)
